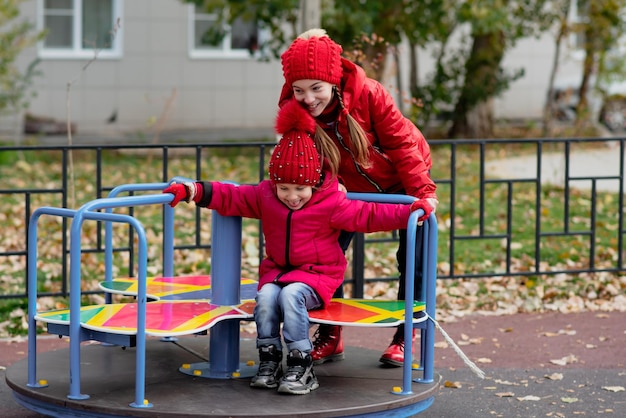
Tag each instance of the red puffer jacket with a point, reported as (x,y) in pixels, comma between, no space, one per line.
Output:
(301,245)
(399,153)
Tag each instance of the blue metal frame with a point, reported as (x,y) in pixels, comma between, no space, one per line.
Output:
(226,272)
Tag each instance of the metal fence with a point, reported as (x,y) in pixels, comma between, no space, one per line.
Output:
(508,207)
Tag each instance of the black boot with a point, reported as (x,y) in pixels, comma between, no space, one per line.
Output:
(299,379)
(270,368)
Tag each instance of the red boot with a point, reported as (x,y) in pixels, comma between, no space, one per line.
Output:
(327,344)
(394,354)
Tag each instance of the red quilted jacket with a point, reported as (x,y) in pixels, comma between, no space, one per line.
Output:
(399,152)
(301,245)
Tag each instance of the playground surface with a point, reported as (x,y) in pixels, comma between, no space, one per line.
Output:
(536,365)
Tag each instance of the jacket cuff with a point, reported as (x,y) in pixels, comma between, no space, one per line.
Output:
(206,195)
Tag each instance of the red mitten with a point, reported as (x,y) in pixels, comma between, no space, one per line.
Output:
(181,191)
(425,206)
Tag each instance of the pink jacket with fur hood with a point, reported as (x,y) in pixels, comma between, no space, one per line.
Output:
(301,245)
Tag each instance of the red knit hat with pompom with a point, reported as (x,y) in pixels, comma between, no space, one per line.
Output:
(312,56)
(295,159)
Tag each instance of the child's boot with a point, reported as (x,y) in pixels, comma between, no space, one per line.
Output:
(270,368)
(299,379)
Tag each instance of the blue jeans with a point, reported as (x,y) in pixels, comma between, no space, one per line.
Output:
(289,304)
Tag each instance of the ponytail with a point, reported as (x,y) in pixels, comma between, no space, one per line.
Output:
(327,149)
(358,139)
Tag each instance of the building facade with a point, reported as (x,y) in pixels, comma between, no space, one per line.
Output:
(140,66)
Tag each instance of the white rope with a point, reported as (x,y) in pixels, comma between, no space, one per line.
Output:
(473,367)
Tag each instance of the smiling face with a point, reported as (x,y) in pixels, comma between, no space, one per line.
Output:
(294,196)
(314,94)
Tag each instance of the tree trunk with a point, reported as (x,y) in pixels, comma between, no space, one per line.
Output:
(480,120)
(473,112)
(310,14)
(582,108)
(548,111)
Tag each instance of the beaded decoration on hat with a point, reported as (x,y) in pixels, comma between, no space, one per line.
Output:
(295,159)
(313,56)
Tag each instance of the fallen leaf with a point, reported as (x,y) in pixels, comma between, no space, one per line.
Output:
(505,329)
(565,360)
(529,398)
(483,360)
(554,376)
(506,382)
(441,344)
(569,400)
(453,385)
(613,388)
(559,332)
(505,394)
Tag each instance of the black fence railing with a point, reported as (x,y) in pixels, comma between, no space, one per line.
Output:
(508,207)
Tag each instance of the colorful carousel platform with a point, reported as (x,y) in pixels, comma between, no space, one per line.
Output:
(176,351)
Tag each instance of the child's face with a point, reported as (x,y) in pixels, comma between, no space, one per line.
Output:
(294,196)
(314,94)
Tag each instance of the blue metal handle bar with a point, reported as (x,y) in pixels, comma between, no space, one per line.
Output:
(31,274)
(75,338)
(226,273)
(428,288)
(168,232)
(88,211)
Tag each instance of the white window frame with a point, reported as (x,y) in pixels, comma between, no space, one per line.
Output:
(225,51)
(577,52)
(77,51)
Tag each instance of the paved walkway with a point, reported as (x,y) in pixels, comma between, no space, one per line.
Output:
(537,365)
(602,162)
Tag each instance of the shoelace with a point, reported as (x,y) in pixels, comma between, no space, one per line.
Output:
(399,341)
(321,340)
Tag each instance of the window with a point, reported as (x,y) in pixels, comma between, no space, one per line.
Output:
(581,18)
(210,39)
(77,28)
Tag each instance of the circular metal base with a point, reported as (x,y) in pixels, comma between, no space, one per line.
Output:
(355,387)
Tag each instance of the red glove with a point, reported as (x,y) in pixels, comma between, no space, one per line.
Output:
(181,191)
(425,206)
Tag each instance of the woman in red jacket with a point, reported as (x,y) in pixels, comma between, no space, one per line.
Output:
(303,211)
(364,138)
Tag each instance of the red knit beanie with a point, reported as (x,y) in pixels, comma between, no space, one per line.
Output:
(313,56)
(295,159)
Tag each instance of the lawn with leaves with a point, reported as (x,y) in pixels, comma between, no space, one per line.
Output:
(40,172)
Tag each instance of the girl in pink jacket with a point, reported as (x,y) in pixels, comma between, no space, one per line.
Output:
(303,211)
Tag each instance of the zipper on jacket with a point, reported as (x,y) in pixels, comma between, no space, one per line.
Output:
(277,278)
(356,165)
(288,238)
(287,243)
